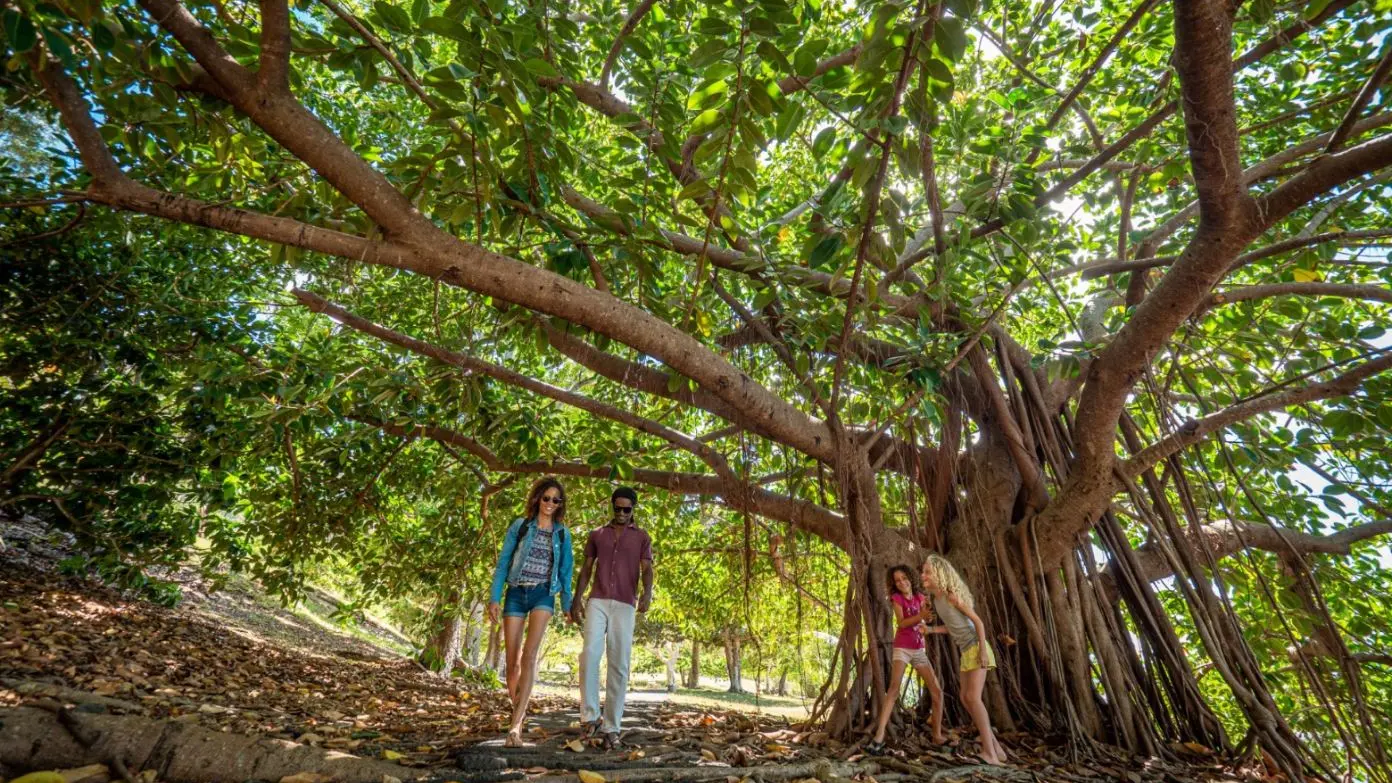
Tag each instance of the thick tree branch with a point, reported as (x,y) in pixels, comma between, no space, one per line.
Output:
(435,254)
(513,378)
(1252,174)
(274,71)
(295,128)
(819,521)
(1195,431)
(1247,293)
(1227,538)
(1276,42)
(1203,59)
(1323,175)
(1110,267)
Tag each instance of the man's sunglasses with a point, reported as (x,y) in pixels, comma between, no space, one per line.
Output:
(552,499)
(624,510)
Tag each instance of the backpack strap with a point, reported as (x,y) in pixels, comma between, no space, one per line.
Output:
(521,534)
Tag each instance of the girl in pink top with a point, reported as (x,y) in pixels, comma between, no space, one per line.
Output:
(911,612)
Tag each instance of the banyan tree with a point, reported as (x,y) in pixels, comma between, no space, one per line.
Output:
(1087,296)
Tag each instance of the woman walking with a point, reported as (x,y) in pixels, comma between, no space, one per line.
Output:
(535,564)
(911,612)
(952,600)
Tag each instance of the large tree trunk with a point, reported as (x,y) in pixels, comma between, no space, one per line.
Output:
(441,651)
(474,635)
(782,688)
(693,675)
(732,660)
(493,659)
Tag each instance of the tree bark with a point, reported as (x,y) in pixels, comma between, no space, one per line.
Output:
(732,660)
(493,659)
(693,675)
(442,651)
(35,739)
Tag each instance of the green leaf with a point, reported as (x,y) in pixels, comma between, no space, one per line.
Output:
(102,38)
(392,16)
(822,143)
(448,28)
(825,251)
(58,47)
(540,67)
(951,38)
(420,9)
(789,119)
(705,121)
(19,31)
(695,189)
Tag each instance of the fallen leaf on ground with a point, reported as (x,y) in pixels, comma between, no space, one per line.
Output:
(576,745)
(587,776)
(40,777)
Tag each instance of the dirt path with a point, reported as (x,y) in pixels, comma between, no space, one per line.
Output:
(233,664)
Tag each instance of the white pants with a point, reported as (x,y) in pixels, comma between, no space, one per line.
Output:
(608,631)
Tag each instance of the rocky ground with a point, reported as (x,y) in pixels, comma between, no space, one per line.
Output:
(102,661)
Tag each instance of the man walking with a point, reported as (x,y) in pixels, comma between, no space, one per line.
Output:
(617,554)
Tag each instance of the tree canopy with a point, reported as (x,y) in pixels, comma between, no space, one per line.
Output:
(1090,296)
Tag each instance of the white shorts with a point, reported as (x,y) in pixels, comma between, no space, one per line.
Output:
(914,658)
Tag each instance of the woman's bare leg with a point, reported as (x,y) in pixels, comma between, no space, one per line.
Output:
(935,694)
(896,674)
(973,683)
(512,643)
(536,630)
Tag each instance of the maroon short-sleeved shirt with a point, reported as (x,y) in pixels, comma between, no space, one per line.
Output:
(617,554)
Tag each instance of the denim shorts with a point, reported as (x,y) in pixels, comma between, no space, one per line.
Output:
(520,601)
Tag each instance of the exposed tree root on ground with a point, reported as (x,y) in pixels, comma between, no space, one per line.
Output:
(182,699)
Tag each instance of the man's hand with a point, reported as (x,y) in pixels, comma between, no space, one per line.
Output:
(493,611)
(644,603)
(577,612)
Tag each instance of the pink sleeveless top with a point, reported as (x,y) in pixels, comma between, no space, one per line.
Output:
(908,638)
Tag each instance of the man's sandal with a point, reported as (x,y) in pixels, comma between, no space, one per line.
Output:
(588,729)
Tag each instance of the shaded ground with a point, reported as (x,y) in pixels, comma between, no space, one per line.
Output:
(252,668)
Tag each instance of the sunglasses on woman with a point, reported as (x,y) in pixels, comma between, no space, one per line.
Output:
(555,499)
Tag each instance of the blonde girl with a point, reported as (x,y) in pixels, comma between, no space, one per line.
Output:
(952,601)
